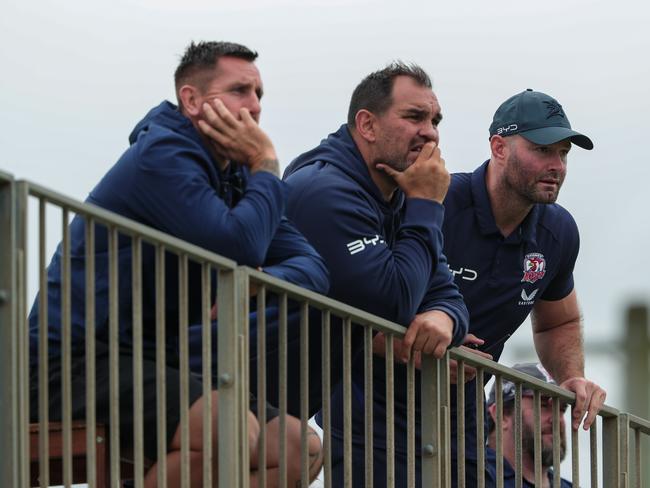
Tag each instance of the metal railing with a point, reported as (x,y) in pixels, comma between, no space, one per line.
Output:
(197,271)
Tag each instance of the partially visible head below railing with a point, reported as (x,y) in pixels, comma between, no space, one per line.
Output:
(508,427)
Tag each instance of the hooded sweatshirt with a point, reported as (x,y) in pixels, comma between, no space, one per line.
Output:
(384,257)
(168,180)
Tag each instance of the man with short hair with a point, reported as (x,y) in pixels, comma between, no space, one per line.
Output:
(527,430)
(206,173)
(369,198)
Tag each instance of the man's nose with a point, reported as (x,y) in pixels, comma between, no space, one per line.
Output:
(254,106)
(557,162)
(430,132)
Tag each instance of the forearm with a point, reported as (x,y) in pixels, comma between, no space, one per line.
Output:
(560,349)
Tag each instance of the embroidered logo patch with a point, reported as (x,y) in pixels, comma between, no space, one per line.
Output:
(528,299)
(534,267)
(554,109)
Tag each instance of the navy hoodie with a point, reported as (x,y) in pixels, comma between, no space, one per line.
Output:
(384,257)
(168,180)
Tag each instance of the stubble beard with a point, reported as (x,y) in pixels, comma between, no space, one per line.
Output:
(528,446)
(528,193)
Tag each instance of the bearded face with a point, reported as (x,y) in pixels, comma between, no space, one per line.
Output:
(535,173)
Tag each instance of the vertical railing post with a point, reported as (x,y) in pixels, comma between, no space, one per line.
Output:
(637,353)
(242,282)
(611,452)
(231,418)
(432,444)
(22,335)
(624,449)
(9,387)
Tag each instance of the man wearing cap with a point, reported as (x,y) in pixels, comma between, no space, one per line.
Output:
(528,430)
(512,251)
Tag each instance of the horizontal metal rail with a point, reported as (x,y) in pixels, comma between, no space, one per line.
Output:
(129,227)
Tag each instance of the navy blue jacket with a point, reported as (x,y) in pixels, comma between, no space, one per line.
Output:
(168,180)
(384,257)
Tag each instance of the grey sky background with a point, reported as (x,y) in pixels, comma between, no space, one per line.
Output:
(78,75)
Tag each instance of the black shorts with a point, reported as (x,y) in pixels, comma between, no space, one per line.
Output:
(126,405)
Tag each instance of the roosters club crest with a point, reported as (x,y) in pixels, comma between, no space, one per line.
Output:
(534,267)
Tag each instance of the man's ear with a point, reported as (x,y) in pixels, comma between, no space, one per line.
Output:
(492,411)
(365,125)
(190,100)
(499,147)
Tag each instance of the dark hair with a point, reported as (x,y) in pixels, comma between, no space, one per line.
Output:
(374,93)
(203,56)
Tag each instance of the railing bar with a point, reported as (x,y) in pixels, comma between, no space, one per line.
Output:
(113,356)
(43,353)
(637,457)
(498,385)
(347,404)
(624,432)
(518,430)
(304,393)
(138,400)
(444,459)
(428,412)
(161,387)
(390,414)
(460,421)
(243,387)
(327,416)
(410,420)
(480,427)
(184,368)
(22,337)
(283,389)
(261,382)
(368,404)
(206,374)
(130,227)
(229,411)
(66,350)
(537,421)
(593,453)
(575,455)
(556,442)
(445,419)
(244,406)
(91,416)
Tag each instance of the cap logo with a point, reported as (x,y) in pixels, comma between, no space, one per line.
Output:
(534,267)
(507,128)
(553,108)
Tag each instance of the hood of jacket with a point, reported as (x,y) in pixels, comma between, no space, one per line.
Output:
(166,116)
(340,150)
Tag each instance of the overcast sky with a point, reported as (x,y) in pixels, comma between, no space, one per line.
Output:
(77,76)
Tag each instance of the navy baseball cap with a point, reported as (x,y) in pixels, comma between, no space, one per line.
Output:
(537,117)
(535,370)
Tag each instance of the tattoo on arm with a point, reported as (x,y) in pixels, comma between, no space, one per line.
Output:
(270,165)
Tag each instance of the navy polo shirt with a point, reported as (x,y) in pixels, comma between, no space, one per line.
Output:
(501,278)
